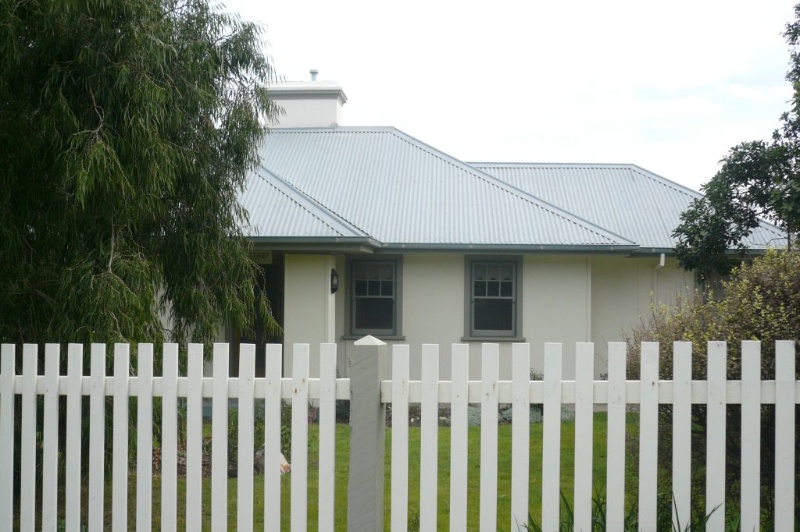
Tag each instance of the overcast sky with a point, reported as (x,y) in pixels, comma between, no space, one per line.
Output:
(669,86)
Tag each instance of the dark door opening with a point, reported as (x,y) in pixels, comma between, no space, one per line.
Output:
(271,282)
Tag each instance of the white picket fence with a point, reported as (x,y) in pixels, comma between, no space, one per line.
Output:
(369,392)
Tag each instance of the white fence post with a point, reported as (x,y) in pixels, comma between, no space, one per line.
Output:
(367,433)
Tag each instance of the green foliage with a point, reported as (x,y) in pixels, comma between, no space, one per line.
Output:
(757,179)
(128,128)
(761,302)
(631,518)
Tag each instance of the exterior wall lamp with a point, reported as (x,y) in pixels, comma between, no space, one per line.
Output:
(334,280)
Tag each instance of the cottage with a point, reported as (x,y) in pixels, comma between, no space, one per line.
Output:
(368,230)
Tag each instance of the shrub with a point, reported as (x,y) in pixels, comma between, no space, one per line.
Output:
(760,301)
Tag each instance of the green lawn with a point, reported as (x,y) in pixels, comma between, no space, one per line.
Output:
(473,508)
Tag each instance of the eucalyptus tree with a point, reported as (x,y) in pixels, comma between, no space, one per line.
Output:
(126,131)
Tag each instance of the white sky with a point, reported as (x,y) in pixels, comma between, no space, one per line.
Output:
(670,86)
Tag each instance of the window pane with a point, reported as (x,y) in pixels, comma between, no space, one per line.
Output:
(507,272)
(479,289)
(506,288)
(493,315)
(387,288)
(361,288)
(374,287)
(480,272)
(493,288)
(374,313)
(494,272)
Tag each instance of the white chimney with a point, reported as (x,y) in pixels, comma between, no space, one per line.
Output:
(308,103)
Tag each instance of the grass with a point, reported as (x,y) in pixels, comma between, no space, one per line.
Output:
(473,478)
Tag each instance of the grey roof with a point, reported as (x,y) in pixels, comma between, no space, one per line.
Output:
(624,198)
(277,208)
(402,193)
(383,188)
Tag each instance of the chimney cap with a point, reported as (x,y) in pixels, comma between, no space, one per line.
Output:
(313,73)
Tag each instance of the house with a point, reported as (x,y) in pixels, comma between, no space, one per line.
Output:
(368,230)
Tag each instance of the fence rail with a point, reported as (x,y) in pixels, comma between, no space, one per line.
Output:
(369,392)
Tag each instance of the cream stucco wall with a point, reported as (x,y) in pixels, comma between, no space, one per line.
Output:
(623,289)
(309,307)
(555,308)
(565,299)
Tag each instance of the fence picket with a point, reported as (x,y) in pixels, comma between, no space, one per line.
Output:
(169,438)
(27,500)
(681,433)
(327,436)
(144,439)
(72,482)
(785,401)
(520,433)
(272,436)
(615,457)
(219,439)
(97,439)
(458,436)
(50,439)
(7,372)
(119,489)
(490,375)
(244,490)
(429,438)
(194,437)
(299,502)
(399,507)
(751,435)
(584,434)
(648,437)
(551,437)
(715,439)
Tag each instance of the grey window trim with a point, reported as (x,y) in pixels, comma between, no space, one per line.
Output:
(470,332)
(350,299)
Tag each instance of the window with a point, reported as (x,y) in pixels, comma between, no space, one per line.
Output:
(493,291)
(374,297)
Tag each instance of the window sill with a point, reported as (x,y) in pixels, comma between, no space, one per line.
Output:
(399,338)
(493,339)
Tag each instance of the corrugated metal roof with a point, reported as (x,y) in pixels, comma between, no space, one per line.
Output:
(623,198)
(276,208)
(404,193)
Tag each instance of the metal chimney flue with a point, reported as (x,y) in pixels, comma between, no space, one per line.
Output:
(314,73)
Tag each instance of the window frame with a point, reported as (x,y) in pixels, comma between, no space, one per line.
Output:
(352,331)
(470,332)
